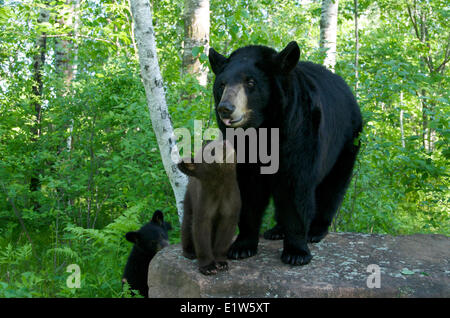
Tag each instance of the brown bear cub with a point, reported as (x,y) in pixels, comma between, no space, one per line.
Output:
(211,206)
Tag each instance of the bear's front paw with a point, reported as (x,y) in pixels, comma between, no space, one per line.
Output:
(299,257)
(242,249)
(316,238)
(222,266)
(276,233)
(210,269)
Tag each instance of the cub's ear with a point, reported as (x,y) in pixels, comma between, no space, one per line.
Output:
(132,237)
(187,167)
(216,60)
(287,59)
(158,217)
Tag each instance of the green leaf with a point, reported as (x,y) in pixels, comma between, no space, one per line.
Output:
(196,50)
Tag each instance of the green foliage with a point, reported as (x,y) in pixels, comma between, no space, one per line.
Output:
(111,178)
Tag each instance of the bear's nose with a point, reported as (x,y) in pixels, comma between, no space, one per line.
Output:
(225,109)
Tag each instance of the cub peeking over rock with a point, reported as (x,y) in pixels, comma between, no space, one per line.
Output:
(150,239)
(211,206)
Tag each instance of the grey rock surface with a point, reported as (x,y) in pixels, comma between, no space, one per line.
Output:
(409,266)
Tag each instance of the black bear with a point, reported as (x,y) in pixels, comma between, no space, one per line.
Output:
(211,206)
(319,122)
(150,239)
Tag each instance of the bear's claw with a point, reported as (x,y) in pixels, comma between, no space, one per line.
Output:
(295,259)
(242,249)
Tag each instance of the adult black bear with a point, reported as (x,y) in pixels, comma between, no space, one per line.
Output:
(150,238)
(318,120)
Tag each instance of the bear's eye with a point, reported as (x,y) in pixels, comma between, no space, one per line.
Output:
(251,82)
(222,86)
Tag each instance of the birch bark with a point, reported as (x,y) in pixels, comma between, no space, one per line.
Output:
(328,30)
(196,33)
(154,90)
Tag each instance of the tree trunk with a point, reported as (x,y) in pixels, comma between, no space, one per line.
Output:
(38,85)
(65,65)
(328,30)
(402,131)
(356,49)
(196,34)
(154,90)
(76,25)
(419,17)
(133,38)
(63,54)
(425,119)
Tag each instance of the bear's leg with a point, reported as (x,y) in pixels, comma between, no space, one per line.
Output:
(330,193)
(296,207)
(202,237)
(275,233)
(187,242)
(223,238)
(255,196)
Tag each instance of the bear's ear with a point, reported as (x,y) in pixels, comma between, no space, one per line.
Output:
(158,217)
(132,237)
(287,59)
(216,60)
(187,167)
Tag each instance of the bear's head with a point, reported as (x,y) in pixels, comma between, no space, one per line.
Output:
(214,162)
(244,82)
(151,237)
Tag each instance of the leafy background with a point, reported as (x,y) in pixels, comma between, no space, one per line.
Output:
(112,178)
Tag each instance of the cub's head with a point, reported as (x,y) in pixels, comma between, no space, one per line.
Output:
(151,237)
(215,161)
(243,84)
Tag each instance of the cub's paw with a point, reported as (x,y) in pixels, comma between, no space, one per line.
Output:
(276,233)
(210,269)
(298,257)
(190,255)
(242,249)
(222,266)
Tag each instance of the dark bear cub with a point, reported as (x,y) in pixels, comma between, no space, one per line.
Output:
(211,206)
(150,239)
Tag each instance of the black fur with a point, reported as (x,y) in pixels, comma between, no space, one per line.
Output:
(319,120)
(150,238)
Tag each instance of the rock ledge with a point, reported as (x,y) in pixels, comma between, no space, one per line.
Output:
(410,266)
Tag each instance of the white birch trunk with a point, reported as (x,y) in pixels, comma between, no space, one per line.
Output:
(196,33)
(328,30)
(154,90)
(401,120)
(76,22)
